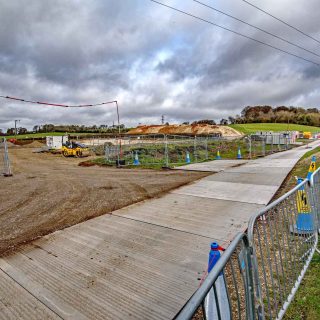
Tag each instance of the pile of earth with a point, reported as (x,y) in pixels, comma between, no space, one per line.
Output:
(34,144)
(9,144)
(186,129)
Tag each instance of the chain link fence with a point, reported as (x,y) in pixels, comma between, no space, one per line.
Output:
(5,167)
(263,270)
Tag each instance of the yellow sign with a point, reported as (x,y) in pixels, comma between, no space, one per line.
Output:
(312,167)
(302,202)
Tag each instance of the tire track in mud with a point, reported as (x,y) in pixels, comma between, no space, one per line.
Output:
(48,193)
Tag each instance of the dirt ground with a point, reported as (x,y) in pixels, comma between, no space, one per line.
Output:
(48,192)
(193,129)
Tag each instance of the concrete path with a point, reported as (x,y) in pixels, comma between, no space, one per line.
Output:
(143,261)
(212,166)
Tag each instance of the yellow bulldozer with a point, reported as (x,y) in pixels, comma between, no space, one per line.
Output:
(74,149)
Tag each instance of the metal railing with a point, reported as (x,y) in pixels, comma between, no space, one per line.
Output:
(263,270)
(234,269)
(283,238)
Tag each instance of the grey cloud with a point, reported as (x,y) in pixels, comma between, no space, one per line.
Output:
(154,61)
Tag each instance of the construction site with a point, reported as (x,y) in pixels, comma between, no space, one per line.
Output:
(159,160)
(48,192)
(101,210)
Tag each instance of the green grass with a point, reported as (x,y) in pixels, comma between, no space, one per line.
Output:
(300,170)
(153,156)
(306,303)
(34,135)
(44,134)
(311,153)
(249,128)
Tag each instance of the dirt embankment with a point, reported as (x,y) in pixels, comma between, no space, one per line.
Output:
(193,129)
(49,192)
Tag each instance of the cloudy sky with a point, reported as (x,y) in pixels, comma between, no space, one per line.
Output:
(151,59)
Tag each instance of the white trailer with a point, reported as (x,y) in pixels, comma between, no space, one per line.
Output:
(55,142)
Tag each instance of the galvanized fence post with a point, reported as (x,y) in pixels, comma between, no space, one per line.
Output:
(206,148)
(195,149)
(106,153)
(166,151)
(264,146)
(7,171)
(249,146)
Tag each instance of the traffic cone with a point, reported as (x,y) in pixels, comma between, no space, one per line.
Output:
(136,159)
(304,222)
(239,156)
(218,157)
(188,157)
(312,167)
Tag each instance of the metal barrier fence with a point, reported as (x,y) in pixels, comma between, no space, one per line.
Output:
(315,184)
(168,150)
(227,292)
(260,146)
(165,149)
(283,238)
(5,167)
(263,270)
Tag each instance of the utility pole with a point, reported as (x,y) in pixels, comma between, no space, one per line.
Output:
(15,128)
(118,117)
(119,132)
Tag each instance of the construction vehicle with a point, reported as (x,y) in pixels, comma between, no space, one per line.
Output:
(307,135)
(74,149)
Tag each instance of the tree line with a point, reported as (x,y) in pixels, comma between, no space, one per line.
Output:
(47,128)
(281,114)
(250,114)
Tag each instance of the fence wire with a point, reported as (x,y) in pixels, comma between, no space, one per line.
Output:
(263,272)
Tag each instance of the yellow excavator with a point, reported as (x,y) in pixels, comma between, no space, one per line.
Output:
(74,149)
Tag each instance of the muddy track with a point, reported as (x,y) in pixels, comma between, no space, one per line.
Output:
(49,192)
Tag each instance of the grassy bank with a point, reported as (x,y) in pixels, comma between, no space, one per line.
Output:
(306,303)
(44,134)
(154,155)
(249,128)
